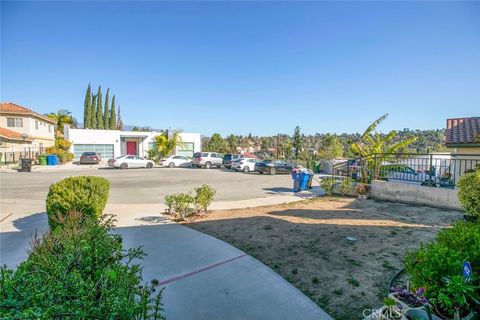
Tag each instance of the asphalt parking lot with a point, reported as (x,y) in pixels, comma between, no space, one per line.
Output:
(141,186)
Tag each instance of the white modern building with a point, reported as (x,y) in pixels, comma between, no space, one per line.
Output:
(114,143)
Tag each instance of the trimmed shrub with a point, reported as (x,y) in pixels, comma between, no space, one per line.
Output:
(85,194)
(182,204)
(328,184)
(469,193)
(429,266)
(79,272)
(63,155)
(203,197)
(62,144)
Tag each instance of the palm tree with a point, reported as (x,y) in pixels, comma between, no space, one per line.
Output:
(375,147)
(62,117)
(164,146)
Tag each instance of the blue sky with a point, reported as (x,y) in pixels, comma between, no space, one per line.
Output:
(241,67)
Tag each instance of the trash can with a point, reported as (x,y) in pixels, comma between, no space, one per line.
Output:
(304,177)
(52,160)
(297,177)
(26,165)
(42,160)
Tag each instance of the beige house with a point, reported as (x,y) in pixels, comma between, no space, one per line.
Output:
(24,131)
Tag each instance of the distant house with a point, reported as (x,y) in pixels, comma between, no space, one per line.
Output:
(23,130)
(463,135)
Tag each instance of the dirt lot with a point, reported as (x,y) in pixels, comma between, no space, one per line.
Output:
(306,242)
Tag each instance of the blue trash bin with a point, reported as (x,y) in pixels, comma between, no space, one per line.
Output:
(296,176)
(304,177)
(52,160)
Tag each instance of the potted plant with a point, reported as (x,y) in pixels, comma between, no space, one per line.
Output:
(408,299)
(363,190)
(391,310)
(457,299)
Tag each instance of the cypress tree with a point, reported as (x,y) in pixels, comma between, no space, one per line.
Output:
(87,108)
(93,118)
(106,123)
(99,109)
(113,116)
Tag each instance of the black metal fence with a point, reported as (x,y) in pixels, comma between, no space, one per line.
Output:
(433,169)
(11,157)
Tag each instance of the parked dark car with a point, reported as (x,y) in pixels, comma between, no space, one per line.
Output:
(228,158)
(274,166)
(90,158)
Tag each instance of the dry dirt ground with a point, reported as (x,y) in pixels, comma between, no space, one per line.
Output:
(306,243)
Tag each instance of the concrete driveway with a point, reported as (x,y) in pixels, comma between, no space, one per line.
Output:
(204,278)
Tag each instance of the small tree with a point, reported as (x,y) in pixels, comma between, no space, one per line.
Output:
(297,141)
(373,143)
(113,117)
(217,144)
(106,112)
(99,109)
(93,112)
(331,148)
(164,145)
(87,121)
(62,117)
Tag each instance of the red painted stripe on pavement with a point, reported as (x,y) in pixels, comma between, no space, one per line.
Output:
(189,274)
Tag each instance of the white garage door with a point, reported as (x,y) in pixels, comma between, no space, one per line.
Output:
(106,150)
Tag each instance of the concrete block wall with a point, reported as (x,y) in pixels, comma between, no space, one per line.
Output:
(417,194)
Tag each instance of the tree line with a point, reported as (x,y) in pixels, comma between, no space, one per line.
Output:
(100,115)
(325,146)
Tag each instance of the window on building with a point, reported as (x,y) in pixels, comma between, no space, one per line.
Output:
(36,124)
(15,122)
(49,128)
(186,149)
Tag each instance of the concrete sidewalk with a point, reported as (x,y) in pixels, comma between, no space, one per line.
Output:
(206,278)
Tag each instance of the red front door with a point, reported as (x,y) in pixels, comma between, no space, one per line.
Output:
(131,147)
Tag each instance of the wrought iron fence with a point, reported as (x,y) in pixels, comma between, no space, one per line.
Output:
(433,169)
(15,156)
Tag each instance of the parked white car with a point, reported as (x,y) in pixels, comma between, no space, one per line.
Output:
(246,165)
(125,162)
(176,161)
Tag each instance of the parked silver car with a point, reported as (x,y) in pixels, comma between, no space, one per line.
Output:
(207,160)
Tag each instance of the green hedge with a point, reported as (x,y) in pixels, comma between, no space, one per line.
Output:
(79,272)
(85,194)
(469,193)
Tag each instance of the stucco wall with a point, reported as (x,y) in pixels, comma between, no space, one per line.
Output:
(412,193)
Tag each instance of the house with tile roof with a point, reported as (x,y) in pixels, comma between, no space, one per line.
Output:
(463,135)
(23,130)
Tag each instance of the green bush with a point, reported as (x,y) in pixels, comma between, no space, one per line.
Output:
(328,184)
(203,197)
(62,144)
(63,156)
(170,202)
(85,194)
(183,204)
(433,262)
(346,186)
(469,193)
(81,272)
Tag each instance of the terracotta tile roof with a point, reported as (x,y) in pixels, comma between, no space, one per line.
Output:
(12,135)
(463,131)
(9,107)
